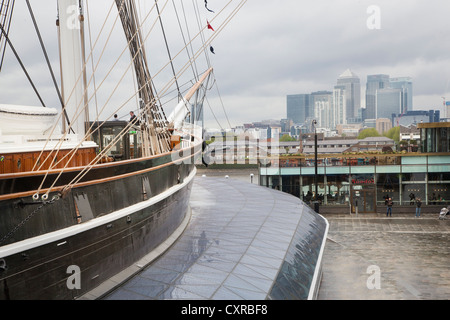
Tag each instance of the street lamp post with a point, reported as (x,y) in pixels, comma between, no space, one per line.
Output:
(316,202)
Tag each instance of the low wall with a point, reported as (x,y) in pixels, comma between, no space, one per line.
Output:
(403,209)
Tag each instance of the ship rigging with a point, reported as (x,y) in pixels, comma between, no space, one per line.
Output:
(77,186)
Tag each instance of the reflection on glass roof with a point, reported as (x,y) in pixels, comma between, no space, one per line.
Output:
(244,242)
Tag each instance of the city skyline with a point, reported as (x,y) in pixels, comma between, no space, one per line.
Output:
(392,88)
(337,39)
(349,103)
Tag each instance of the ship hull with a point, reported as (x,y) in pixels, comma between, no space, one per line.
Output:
(101,227)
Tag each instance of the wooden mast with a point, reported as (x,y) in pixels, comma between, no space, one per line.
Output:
(156,137)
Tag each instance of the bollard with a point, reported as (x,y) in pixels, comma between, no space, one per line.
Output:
(316,206)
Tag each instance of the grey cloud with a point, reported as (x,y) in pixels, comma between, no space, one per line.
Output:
(275,48)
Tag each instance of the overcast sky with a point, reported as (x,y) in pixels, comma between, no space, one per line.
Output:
(275,48)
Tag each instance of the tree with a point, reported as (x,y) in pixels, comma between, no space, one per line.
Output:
(370,132)
(393,134)
(286,138)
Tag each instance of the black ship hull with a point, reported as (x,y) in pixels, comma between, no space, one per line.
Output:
(66,247)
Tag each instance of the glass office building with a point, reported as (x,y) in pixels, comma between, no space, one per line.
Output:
(405,85)
(388,101)
(299,108)
(374,83)
(352,85)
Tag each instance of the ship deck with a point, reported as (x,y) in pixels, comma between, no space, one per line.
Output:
(227,250)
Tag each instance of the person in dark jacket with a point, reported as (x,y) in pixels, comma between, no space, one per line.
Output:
(389,204)
(418,207)
(132,117)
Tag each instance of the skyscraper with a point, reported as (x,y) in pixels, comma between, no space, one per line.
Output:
(388,102)
(322,102)
(339,108)
(374,83)
(299,108)
(404,84)
(352,86)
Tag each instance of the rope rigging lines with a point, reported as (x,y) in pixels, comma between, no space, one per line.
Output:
(151,112)
(6,11)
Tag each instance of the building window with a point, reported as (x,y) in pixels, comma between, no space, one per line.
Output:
(387,186)
(438,184)
(308,188)
(338,190)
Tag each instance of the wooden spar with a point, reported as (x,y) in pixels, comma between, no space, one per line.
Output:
(194,89)
(176,118)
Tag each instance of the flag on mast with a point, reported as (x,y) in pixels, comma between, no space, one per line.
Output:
(209,26)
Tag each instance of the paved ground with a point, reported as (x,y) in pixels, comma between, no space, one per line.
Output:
(401,258)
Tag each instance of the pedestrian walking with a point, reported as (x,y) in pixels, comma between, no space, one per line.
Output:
(418,207)
(389,204)
(412,198)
